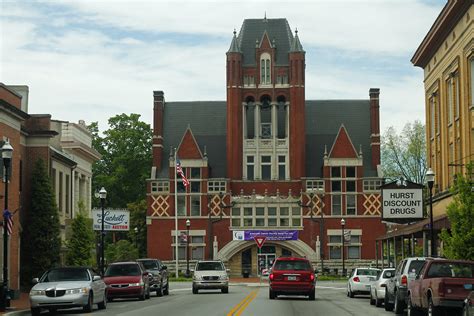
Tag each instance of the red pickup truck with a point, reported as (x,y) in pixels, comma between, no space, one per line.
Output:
(441,284)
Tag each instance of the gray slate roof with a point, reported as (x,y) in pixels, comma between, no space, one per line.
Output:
(207,120)
(253,30)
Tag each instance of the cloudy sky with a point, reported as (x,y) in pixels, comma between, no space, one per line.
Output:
(92,60)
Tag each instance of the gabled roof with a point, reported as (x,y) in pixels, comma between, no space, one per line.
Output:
(343,146)
(188,147)
(253,29)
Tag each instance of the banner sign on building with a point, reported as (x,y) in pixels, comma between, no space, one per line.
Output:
(115,220)
(402,201)
(270,235)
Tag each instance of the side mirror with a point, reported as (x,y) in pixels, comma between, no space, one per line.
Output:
(35,281)
(316,271)
(227,270)
(164,268)
(96,278)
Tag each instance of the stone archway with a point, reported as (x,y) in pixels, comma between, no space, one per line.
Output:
(297,246)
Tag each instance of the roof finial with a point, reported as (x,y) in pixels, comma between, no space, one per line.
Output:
(265,17)
(235,32)
(296,31)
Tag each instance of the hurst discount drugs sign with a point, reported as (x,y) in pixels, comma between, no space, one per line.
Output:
(402,202)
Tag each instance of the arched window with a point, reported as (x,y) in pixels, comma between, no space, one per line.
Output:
(265,117)
(265,66)
(250,117)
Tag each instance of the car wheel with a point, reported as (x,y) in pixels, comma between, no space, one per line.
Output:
(386,302)
(271,294)
(159,291)
(378,301)
(225,290)
(88,307)
(195,290)
(312,295)
(35,311)
(433,310)
(350,293)
(166,291)
(399,306)
(371,301)
(103,304)
(110,299)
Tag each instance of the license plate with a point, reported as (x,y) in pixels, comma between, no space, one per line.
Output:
(291,278)
(468,286)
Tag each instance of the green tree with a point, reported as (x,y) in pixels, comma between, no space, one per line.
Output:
(126,159)
(122,250)
(41,242)
(82,241)
(459,242)
(138,221)
(404,154)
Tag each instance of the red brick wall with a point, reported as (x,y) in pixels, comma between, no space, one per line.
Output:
(10,97)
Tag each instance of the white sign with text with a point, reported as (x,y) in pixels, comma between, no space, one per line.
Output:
(402,203)
(115,220)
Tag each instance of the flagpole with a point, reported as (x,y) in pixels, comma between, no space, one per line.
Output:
(176,211)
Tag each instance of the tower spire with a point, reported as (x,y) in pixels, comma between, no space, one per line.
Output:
(296,44)
(234,46)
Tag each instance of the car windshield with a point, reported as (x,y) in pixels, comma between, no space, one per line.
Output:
(149,264)
(368,272)
(122,270)
(209,266)
(299,265)
(66,274)
(415,266)
(451,270)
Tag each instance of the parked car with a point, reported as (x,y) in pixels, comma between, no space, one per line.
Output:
(467,308)
(441,285)
(159,281)
(210,274)
(396,290)
(377,288)
(360,281)
(68,287)
(292,276)
(127,279)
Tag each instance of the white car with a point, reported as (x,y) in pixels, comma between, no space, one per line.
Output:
(210,274)
(61,288)
(377,288)
(360,281)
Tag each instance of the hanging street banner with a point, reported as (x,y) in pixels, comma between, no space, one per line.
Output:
(269,235)
(115,220)
(402,201)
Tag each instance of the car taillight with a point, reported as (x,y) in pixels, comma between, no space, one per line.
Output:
(441,289)
(271,276)
(311,277)
(356,279)
(404,280)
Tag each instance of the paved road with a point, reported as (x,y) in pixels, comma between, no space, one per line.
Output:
(247,300)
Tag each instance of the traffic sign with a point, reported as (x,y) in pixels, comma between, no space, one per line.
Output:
(260,241)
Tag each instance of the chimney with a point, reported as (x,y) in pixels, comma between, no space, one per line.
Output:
(375,126)
(158,107)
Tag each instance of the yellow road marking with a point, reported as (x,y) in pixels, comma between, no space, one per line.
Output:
(244,306)
(236,308)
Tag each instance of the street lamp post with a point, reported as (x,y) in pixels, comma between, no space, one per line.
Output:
(430,176)
(343,223)
(7,152)
(102,196)
(188,224)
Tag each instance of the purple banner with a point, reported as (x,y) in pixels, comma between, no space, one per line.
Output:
(270,235)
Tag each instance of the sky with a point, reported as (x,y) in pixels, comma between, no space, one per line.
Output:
(92,60)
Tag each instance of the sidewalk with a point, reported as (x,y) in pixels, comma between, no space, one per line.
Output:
(23,302)
(20,304)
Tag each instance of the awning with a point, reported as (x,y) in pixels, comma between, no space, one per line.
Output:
(439,222)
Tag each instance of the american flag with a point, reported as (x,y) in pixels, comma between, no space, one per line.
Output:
(179,170)
(8,218)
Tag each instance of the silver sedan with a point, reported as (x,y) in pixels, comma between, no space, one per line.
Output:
(360,280)
(61,288)
(377,288)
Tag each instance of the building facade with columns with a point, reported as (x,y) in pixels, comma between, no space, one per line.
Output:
(266,162)
(66,149)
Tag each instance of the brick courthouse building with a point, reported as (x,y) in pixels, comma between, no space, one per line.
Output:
(266,162)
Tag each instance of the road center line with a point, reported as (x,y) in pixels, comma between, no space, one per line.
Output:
(330,287)
(241,303)
(244,306)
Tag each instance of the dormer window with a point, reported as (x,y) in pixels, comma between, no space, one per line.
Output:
(265,66)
